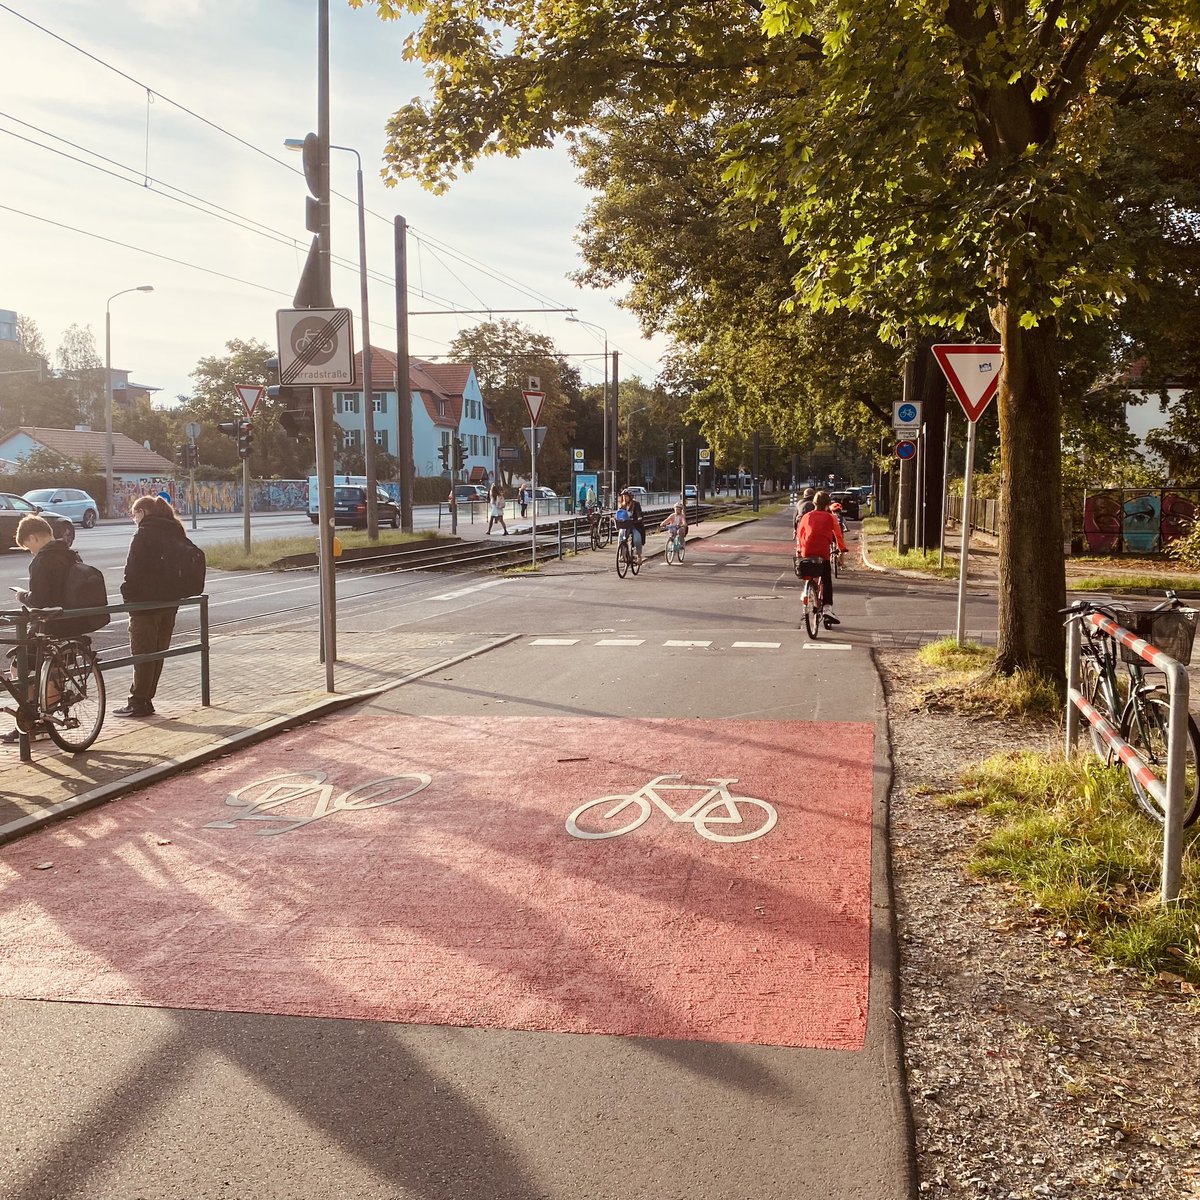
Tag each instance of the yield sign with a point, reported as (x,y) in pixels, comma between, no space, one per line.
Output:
(973,373)
(250,395)
(534,402)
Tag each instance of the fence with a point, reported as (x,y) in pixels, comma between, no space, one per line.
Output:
(985,514)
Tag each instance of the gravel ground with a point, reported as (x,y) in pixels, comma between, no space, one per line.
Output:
(1033,1071)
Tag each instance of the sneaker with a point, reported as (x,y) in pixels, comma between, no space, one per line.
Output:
(13,736)
(134,708)
(831,621)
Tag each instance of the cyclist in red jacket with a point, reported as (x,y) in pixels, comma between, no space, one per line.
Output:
(815,533)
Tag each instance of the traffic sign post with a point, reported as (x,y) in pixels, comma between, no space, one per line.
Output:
(316,347)
(534,399)
(906,419)
(973,373)
(906,449)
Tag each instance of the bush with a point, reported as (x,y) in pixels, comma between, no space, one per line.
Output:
(21,482)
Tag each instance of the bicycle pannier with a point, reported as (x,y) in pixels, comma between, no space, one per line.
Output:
(812,568)
(84,589)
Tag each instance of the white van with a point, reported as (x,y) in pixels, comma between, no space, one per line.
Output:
(350,502)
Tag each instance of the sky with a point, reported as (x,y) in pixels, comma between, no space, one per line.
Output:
(126,124)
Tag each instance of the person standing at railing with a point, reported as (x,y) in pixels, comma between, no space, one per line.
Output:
(152,572)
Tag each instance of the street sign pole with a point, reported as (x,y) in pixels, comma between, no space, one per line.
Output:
(533,449)
(945,487)
(961,612)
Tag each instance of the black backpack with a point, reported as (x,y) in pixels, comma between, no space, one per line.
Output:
(84,588)
(183,568)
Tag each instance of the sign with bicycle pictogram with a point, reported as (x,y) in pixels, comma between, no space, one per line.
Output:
(299,798)
(716,814)
(316,346)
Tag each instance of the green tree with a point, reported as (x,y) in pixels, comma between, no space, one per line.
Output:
(81,369)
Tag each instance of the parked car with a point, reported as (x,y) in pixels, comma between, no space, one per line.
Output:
(639,494)
(849,503)
(14,508)
(545,493)
(466,492)
(689,491)
(67,502)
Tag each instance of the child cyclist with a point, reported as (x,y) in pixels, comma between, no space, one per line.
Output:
(676,524)
(815,533)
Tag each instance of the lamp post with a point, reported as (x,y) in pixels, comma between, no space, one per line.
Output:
(108,395)
(629,444)
(604,401)
(368,389)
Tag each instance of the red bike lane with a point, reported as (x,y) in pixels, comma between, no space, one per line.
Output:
(427,870)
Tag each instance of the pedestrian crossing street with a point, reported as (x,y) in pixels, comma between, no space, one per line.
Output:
(682,644)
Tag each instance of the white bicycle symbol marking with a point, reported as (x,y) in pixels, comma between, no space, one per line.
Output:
(296,785)
(716,807)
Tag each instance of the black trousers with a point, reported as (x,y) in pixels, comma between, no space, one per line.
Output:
(149,631)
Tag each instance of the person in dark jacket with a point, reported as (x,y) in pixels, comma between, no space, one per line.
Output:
(145,579)
(48,569)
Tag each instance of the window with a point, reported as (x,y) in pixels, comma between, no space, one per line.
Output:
(379,402)
(441,407)
(351,439)
(381,439)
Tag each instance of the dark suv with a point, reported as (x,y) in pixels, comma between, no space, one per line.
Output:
(849,503)
(350,507)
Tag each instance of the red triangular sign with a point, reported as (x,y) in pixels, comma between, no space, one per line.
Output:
(249,394)
(973,373)
(534,402)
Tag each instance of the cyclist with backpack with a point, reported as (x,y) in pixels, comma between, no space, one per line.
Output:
(815,534)
(162,565)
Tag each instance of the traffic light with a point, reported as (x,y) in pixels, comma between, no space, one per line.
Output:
(460,453)
(181,455)
(193,456)
(245,439)
(229,428)
(444,455)
(296,419)
(313,290)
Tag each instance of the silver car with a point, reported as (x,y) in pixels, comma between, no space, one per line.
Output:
(67,502)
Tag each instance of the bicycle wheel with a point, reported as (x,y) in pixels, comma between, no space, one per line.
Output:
(812,608)
(635,563)
(600,823)
(1144,726)
(622,558)
(680,549)
(671,554)
(71,696)
(731,815)
(604,531)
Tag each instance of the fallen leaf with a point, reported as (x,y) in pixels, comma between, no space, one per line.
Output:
(42,866)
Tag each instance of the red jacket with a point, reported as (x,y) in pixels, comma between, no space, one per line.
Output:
(817,529)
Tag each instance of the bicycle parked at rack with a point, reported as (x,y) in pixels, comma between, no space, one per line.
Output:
(1136,708)
(600,527)
(67,698)
(812,595)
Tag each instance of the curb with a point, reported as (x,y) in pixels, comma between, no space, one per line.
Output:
(22,826)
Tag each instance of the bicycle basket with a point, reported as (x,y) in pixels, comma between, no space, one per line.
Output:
(812,568)
(1172,630)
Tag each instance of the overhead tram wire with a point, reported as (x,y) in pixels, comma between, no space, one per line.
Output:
(289,166)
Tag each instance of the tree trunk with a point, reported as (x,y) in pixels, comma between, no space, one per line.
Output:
(1032,569)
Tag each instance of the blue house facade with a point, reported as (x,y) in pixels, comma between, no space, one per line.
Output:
(446,401)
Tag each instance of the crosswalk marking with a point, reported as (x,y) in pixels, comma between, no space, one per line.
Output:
(703,644)
(757,645)
(826,646)
(555,642)
(621,642)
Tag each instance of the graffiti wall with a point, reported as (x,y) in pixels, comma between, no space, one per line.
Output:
(1137,520)
(217,496)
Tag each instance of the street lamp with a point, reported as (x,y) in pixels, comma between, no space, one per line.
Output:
(108,395)
(629,444)
(368,391)
(604,398)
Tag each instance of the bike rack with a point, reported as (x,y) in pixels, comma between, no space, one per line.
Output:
(1170,795)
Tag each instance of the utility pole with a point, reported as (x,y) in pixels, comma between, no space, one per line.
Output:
(404,441)
(614,438)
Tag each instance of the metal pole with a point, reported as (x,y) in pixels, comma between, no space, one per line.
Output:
(961,613)
(614,409)
(108,413)
(533,488)
(193,491)
(246,506)
(604,405)
(368,383)
(404,438)
(922,531)
(945,489)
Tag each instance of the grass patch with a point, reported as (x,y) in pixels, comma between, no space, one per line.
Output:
(965,684)
(265,552)
(927,564)
(1116,583)
(1068,836)
(874,525)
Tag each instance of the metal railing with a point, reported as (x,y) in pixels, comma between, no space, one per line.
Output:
(1168,793)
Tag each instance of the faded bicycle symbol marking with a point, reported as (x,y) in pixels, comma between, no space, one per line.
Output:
(260,798)
(611,816)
